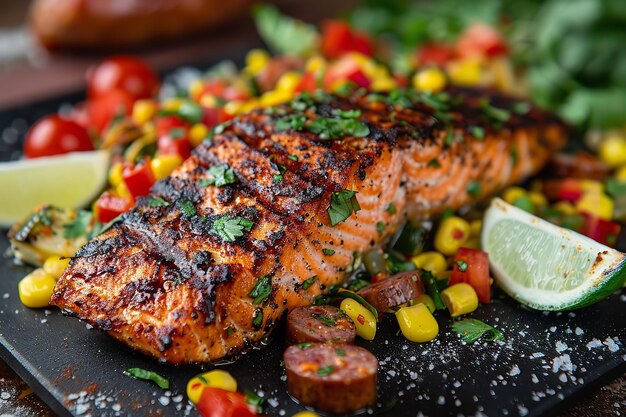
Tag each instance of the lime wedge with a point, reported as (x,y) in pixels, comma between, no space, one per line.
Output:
(68,181)
(545,266)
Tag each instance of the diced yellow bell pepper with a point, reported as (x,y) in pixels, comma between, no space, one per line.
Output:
(249,105)
(288,81)
(424,299)
(513,193)
(214,379)
(55,266)
(460,299)
(274,97)
(363,319)
(620,174)
(198,133)
(122,190)
(538,199)
(476,227)
(195,88)
(163,165)
(143,111)
(172,103)
(383,84)
(613,150)
(598,204)
(466,72)
(315,64)
(35,289)
(431,80)
(565,207)
(256,60)
(451,235)
(433,262)
(417,323)
(591,186)
(115,174)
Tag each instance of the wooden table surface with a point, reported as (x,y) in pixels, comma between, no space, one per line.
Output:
(54,75)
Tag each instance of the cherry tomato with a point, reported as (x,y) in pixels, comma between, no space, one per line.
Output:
(472,267)
(107,106)
(54,135)
(338,38)
(125,73)
(215,402)
(175,142)
(109,206)
(434,54)
(480,40)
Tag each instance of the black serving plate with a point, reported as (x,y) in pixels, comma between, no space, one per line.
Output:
(545,362)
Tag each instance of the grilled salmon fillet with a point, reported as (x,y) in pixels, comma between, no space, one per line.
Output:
(207,264)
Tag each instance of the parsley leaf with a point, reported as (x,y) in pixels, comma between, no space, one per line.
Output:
(254,399)
(328,252)
(139,373)
(342,205)
(473,188)
(391,208)
(340,352)
(328,128)
(222,175)
(293,121)
(478,132)
(257,319)
(78,226)
(157,202)
(521,107)
(230,228)
(471,330)
(433,163)
(305,345)
(326,370)
(293,157)
(462,265)
(187,208)
(307,283)
(380,227)
(262,289)
(325,319)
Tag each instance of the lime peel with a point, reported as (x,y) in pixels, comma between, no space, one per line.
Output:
(547,267)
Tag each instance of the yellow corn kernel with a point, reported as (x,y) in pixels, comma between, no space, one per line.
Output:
(424,299)
(417,323)
(256,60)
(35,289)
(163,165)
(209,100)
(288,81)
(55,265)
(214,379)
(195,88)
(591,186)
(143,111)
(363,319)
(383,84)
(431,80)
(565,207)
(249,105)
(172,103)
(233,107)
(598,204)
(451,235)
(473,242)
(115,174)
(198,133)
(315,64)
(306,414)
(620,174)
(475,227)
(513,193)
(466,72)
(503,75)
(538,199)
(460,299)
(121,190)
(613,150)
(434,262)
(274,97)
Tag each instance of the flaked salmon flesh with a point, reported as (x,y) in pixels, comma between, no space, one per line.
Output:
(178,277)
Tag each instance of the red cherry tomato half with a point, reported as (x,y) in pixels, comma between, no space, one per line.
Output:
(175,142)
(54,135)
(125,73)
(107,106)
(109,206)
(338,38)
(472,267)
(480,40)
(215,402)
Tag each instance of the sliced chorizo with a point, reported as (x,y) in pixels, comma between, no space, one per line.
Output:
(319,324)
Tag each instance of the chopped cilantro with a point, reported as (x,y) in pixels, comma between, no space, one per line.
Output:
(293,121)
(157,202)
(187,208)
(307,283)
(358,284)
(278,178)
(262,289)
(305,345)
(254,400)
(325,370)
(473,188)
(462,265)
(434,163)
(478,132)
(347,114)
(494,114)
(391,208)
(229,331)
(342,205)
(471,330)
(514,155)
(325,319)
(521,107)
(293,157)
(78,226)
(139,373)
(329,128)
(257,319)
(340,352)
(328,252)
(230,228)
(221,175)
(380,227)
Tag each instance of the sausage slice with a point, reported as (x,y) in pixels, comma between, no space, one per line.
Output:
(335,378)
(319,324)
(395,290)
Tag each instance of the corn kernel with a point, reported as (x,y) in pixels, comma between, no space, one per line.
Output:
(288,81)
(214,379)
(424,299)
(198,133)
(620,174)
(209,100)
(256,60)
(172,103)
(143,111)
(465,72)
(122,190)
(538,199)
(613,150)
(383,84)
(502,71)
(163,165)
(115,174)
(55,265)
(249,105)
(476,227)
(35,289)
(460,299)
(433,262)
(431,80)
(417,323)
(233,107)
(513,193)
(315,64)
(363,319)
(195,88)
(591,186)
(306,414)
(272,98)
(598,204)
(565,207)
(451,235)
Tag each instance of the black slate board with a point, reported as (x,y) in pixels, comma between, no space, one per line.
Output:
(545,361)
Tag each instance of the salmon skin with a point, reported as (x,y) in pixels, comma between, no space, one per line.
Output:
(271,212)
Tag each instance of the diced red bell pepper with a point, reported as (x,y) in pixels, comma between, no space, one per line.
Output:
(600,230)
(339,38)
(472,267)
(359,78)
(215,402)
(435,54)
(165,124)
(221,89)
(568,189)
(172,144)
(109,206)
(213,116)
(138,178)
(308,83)
(480,40)
(104,108)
